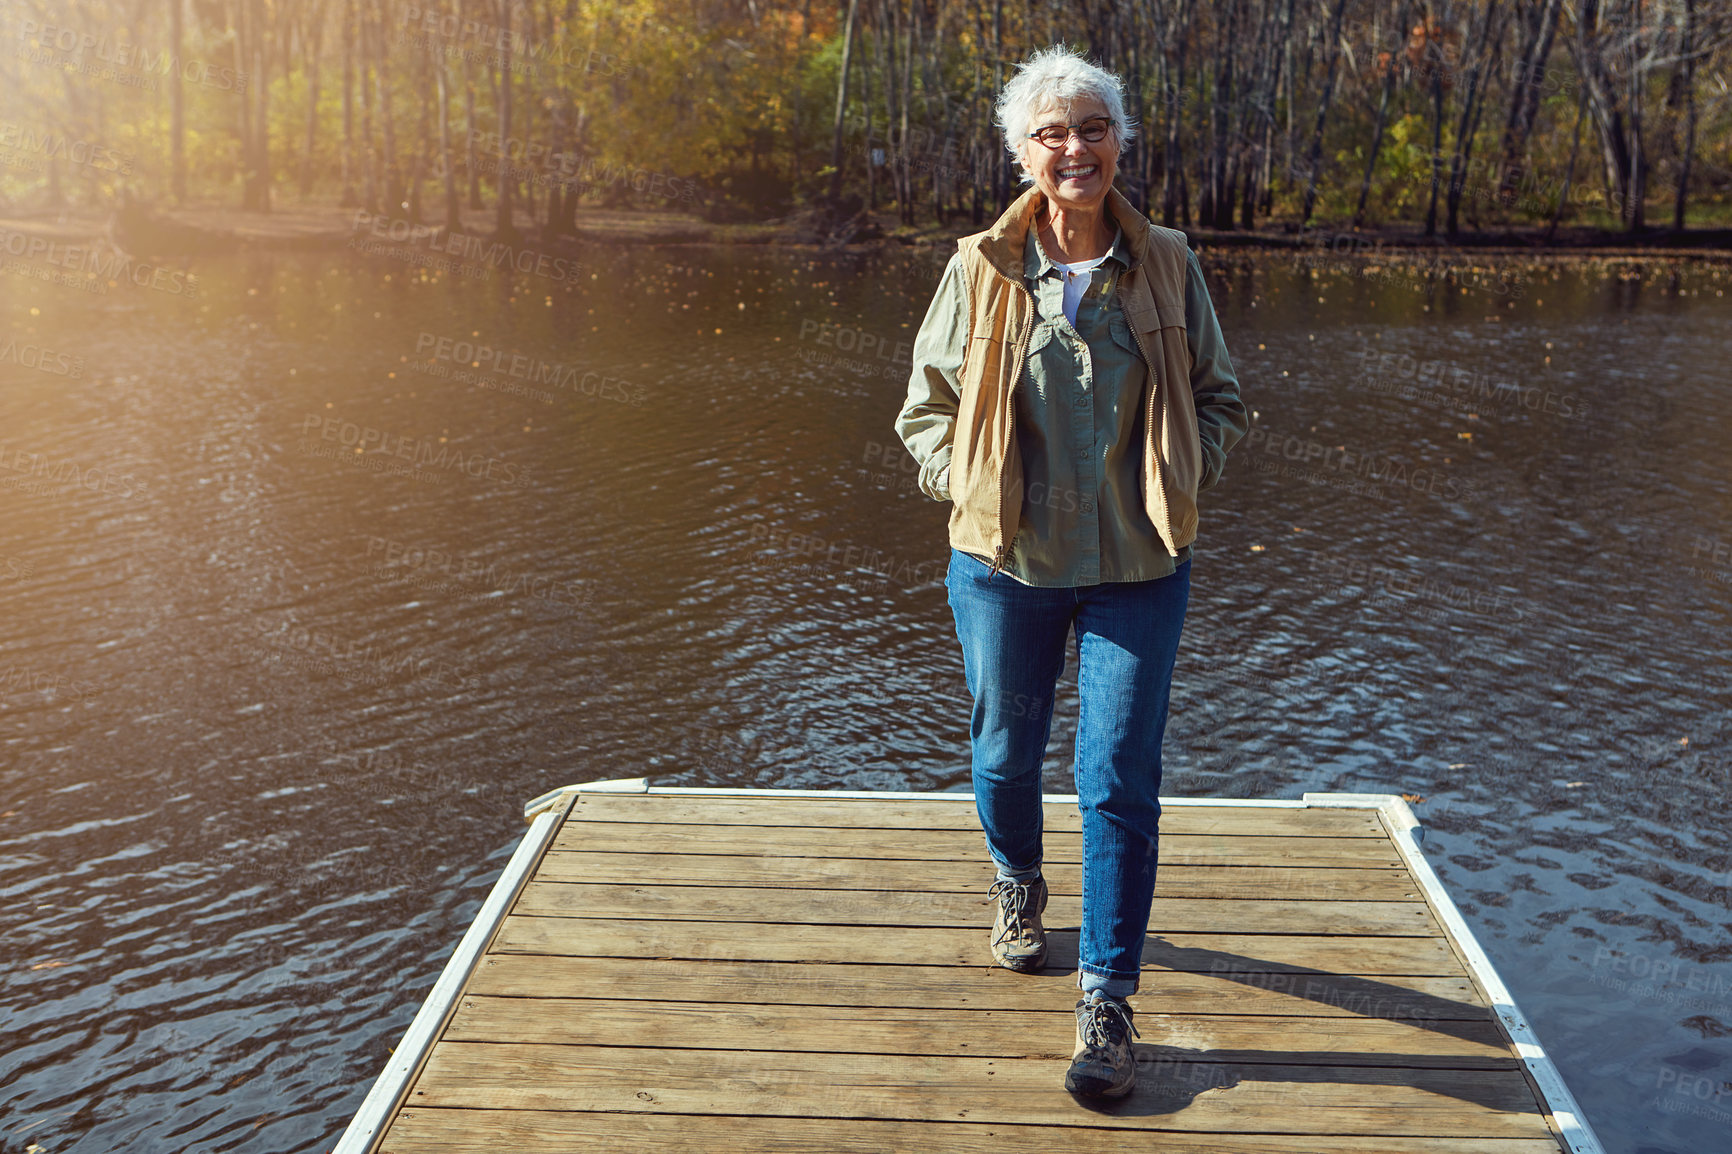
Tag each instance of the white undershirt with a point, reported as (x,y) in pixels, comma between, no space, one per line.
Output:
(1076,283)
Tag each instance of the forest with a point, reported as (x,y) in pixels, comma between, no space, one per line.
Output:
(1251,113)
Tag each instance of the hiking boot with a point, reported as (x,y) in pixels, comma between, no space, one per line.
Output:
(1103,1065)
(1018,939)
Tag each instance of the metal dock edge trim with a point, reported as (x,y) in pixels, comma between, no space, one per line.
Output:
(642,785)
(370,1121)
(1405,831)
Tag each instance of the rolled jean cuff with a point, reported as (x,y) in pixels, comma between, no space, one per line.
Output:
(1111,984)
(1020,877)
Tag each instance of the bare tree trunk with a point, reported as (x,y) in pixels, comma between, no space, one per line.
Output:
(1212,168)
(1002,169)
(1570,172)
(1687,49)
(842,107)
(471,163)
(1436,152)
(412,203)
(1603,102)
(1490,30)
(244,105)
(871,163)
(1257,105)
(1175,201)
(387,120)
(502,224)
(177,105)
(1283,77)
(1402,24)
(316,39)
(370,157)
(885,45)
(1287,73)
(1525,99)
(906,167)
(348,37)
(262,138)
(979,154)
(252,59)
(1137,170)
(1635,202)
(1314,156)
(946,156)
(453,212)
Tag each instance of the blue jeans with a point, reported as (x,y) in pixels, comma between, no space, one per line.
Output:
(1013,647)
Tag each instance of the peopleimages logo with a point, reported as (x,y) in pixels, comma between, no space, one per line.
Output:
(41,359)
(123,56)
(495,39)
(116,267)
(816,556)
(1312,456)
(1456,386)
(513,156)
(59,146)
(475,251)
(523,367)
(14,681)
(423,453)
(485,577)
(47,473)
(313,650)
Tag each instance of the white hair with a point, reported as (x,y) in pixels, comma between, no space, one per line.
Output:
(1057,77)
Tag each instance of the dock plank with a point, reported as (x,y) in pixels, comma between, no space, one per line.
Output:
(767,973)
(699,951)
(973,984)
(861,813)
(1177,1095)
(777,910)
(963,845)
(843,873)
(425,1130)
(977,1033)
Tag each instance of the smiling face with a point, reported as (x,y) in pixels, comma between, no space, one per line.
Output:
(1078,175)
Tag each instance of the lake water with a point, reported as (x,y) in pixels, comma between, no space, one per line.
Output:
(306,593)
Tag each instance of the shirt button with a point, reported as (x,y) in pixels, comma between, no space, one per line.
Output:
(1088,506)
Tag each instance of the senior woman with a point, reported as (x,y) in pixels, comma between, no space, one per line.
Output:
(1071,397)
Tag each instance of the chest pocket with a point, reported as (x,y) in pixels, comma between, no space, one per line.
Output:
(1122,335)
(1039,337)
(1035,374)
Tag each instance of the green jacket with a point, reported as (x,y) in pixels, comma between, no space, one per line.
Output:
(972,365)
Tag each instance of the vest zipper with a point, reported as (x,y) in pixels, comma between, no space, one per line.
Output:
(1149,435)
(1001,556)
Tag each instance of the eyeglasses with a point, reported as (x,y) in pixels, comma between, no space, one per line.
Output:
(1055,136)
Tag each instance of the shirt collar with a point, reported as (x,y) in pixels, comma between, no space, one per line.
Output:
(1036,264)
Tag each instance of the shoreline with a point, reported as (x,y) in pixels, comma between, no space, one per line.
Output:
(207,228)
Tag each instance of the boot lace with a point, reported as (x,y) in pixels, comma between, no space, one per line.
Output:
(1105,1024)
(1013,898)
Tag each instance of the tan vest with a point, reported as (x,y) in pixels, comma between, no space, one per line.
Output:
(986,479)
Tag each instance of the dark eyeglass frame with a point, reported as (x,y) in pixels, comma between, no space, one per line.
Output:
(1106,122)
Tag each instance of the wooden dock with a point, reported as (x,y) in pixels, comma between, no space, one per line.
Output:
(684,970)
